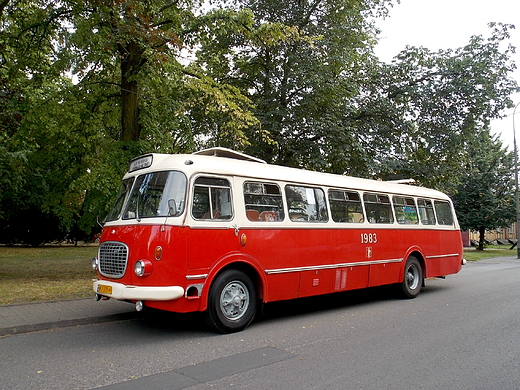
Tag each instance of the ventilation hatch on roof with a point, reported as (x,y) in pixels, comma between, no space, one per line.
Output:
(228,153)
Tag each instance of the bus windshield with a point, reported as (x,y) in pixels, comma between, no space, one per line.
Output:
(115,211)
(156,194)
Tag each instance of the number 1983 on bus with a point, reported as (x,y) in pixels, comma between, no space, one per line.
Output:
(368,238)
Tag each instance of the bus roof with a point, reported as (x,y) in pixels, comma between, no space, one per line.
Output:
(230,163)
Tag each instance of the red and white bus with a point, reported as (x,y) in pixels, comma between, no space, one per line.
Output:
(222,232)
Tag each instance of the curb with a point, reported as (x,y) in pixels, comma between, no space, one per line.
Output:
(13,330)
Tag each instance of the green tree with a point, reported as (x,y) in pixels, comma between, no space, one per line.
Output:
(442,99)
(28,74)
(302,65)
(485,196)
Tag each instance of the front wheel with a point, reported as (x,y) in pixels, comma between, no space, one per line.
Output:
(413,278)
(231,302)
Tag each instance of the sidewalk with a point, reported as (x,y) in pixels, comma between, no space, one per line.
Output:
(30,317)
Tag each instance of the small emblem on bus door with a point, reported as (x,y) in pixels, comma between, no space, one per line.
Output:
(369,252)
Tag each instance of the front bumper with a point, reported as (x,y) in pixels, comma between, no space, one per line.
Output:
(134,293)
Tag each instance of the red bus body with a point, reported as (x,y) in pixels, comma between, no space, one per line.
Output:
(182,254)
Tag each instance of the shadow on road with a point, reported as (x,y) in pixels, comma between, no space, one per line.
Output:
(157,321)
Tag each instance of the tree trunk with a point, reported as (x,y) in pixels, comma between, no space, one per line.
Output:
(482,232)
(131,61)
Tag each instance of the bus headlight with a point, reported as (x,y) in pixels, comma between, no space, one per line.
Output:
(95,264)
(143,268)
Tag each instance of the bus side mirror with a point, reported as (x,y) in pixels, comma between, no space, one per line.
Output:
(172,208)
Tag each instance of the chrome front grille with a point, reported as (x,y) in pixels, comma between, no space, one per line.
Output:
(113,258)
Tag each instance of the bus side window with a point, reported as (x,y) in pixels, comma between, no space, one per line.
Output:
(443,210)
(378,208)
(263,202)
(212,199)
(405,210)
(306,204)
(426,211)
(345,206)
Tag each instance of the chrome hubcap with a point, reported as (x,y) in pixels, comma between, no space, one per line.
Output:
(412,277)
(234,300)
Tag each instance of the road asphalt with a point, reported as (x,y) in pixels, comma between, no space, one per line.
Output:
(31,317)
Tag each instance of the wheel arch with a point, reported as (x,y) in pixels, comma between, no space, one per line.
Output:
(238,264)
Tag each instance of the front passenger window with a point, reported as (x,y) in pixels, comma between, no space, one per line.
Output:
(212,199)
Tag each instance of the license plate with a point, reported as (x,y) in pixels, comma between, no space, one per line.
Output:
(102,289)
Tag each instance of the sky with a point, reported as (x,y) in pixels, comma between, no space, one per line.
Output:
(449,24)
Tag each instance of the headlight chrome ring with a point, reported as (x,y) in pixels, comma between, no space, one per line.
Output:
(143,268)
(95,264)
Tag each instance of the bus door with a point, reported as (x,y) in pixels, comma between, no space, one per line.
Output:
(211,235)
(347,212)
(268,240)
(311,243)
(381,242)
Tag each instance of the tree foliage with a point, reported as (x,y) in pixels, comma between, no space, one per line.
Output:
(87,85)
(445,98)
(303,67)
(484,198)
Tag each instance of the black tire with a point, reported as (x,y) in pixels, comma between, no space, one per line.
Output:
(412,279)
(232,302)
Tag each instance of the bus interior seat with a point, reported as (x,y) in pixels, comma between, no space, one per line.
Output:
(269,216)
(253,215)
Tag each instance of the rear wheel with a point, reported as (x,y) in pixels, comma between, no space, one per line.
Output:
(413,278)
(232,302)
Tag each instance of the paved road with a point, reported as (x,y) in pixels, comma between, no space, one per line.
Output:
(460,333)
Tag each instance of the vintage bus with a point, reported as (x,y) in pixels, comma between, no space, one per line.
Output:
(222,232)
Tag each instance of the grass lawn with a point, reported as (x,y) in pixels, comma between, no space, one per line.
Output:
(489,252)
(45,273)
